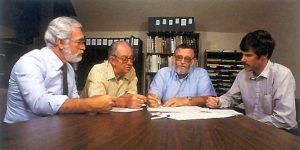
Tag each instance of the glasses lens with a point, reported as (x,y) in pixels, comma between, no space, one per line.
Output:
(186,59)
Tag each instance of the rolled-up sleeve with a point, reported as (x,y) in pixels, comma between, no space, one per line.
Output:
(31,83)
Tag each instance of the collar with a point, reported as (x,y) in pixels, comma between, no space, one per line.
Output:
(176,75)
(52,58)
(264,73)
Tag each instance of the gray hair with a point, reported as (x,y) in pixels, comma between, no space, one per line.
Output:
(113,48)
(60,28)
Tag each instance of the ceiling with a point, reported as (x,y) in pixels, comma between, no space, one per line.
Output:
(235,16)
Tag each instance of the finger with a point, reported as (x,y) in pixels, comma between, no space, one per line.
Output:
(152,102)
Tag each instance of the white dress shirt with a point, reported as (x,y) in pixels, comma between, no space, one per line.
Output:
(36,86)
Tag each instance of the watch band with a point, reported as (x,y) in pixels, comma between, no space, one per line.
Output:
(190,100)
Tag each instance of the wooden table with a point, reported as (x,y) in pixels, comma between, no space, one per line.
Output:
(136,130)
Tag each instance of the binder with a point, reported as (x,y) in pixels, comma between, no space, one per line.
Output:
(171,25)
(157,24)
(87,41)
(183,24)
(177,24)
(151,24)
(164,25)
(99,41)
(190,24)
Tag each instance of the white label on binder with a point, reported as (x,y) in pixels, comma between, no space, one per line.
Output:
(121,39)
(190,20)
(104,41)
(177,21)
(110,41)
(93,41)
(127,40)
(88,41)
(183,22)
(116,40)
(157,22)
(164,21)
(170,22)
(99,41)
(135,41)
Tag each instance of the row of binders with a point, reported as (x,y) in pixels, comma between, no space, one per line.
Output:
(171,24)
(109,41)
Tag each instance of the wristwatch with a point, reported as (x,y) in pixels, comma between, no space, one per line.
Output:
(190,100)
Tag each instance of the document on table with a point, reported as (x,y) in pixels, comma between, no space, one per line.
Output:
(119,109)
(194,112)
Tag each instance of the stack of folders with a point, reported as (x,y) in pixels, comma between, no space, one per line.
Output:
(171,24)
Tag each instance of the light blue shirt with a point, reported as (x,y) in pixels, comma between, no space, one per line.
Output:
(167,84)
(36,86)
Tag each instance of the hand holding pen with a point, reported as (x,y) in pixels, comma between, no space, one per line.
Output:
(130,100)
(153,100)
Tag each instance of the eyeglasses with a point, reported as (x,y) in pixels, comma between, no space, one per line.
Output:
(187,59)
(79,42)
(125,59)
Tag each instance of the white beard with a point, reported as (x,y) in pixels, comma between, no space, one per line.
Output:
(71,57)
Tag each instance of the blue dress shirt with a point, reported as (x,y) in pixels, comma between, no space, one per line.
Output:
(36,86)
(167,84)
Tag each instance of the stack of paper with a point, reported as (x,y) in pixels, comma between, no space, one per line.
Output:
(194,112)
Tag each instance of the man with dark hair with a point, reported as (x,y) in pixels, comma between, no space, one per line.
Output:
(182,84)
(116,77)
(267,89)
(42,82)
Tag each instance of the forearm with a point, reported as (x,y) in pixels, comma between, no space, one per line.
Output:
(76,106)
(198,101)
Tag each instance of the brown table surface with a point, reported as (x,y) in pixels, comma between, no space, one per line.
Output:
(136,130)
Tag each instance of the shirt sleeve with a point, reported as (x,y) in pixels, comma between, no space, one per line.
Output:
(230,97)
(32,85)
(95,84)
(284,111)
(205,87)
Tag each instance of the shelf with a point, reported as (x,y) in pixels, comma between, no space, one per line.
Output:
(223,67)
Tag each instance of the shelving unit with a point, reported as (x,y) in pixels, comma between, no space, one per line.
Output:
(160,49)
(222,67)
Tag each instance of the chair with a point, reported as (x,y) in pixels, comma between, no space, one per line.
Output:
(3,95)
(297,102)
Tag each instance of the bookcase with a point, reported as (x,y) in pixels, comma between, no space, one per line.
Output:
(160,49)
(222,67)
(97,52)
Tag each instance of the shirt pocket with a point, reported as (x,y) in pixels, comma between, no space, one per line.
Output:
(267,104)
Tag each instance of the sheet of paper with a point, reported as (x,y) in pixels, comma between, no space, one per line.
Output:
(119,109)
(182,109)
(194,112)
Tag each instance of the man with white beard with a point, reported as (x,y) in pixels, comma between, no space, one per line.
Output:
(182,85)
(42,82)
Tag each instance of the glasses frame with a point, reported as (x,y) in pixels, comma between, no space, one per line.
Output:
(125,59)
(79,42)
(186,59)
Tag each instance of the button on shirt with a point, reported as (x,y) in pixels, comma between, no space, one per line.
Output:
(269,97)
(102,81)
(36,86)
(167,84)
